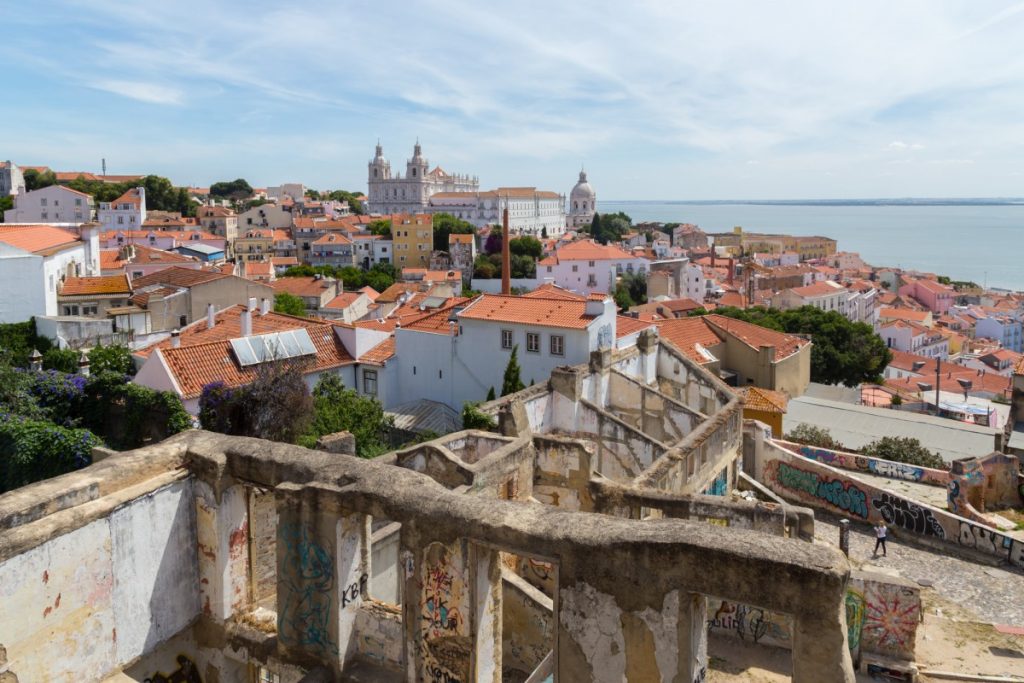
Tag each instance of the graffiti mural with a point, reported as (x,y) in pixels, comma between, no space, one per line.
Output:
(306,573)
(719,484)
(445,640)
(844,495)
(903,514)
(895,470)
(748,622)
(187,672)
(854,619)
(891,616)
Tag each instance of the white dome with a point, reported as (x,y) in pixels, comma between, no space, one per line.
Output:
(583,190)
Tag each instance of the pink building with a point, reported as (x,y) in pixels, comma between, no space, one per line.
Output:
(936,297)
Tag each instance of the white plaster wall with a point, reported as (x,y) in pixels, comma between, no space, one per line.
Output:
(23,284)
(156,578)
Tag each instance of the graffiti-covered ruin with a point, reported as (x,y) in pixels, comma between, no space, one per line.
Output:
(578,542)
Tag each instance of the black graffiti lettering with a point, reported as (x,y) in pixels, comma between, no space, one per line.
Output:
(701,675)
(906,515)
(354,590)
(439,675)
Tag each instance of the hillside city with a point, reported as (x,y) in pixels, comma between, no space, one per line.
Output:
(412,352)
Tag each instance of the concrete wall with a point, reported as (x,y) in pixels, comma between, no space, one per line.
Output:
(93,598)
(864,463)
(528,630)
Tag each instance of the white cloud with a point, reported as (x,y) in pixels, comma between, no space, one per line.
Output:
(143,92)
(899,145)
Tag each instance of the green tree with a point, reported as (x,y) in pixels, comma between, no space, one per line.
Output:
(896,401)
(904,449)
(473,418)
(523,266)
(337,409)
(62,360)
(610,227)
(380,227)
(484,269)
(34,180)
(6,204)
(114,358)
(235,189)
(490,394)
(814,436)
(622,297)
(289,304)
(636,285)
(446,224)
(17,341)
(511,383)
(313,194)
(354,203)
(544,232)
(526,246)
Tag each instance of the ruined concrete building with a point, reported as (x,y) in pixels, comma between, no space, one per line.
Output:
(578,543)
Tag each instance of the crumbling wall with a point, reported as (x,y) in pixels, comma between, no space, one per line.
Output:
(528,633)
(380,636)
(882,615)
(817,485)
(655,414)
(562,472)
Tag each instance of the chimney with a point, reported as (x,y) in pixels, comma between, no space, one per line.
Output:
(264,306)
(211,316)
(83,364)
(175,339)
(246,319)
(506,258)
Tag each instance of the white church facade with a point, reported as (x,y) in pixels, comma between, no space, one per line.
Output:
(410,194)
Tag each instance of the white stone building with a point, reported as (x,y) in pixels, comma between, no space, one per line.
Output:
(127,212)
(35,260)
(586,266)
(827,295)
(51,204)
(410,194)
(297,192)
(582,203)
(12,180)
(530,211)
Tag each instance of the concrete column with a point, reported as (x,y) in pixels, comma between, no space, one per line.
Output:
(222,535)
(816,640)
(322,575)
(487,614)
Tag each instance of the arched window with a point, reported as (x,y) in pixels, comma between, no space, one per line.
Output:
(374,173)
(414,173)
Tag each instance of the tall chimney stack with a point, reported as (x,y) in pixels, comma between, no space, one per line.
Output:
(211,316)
(506,258)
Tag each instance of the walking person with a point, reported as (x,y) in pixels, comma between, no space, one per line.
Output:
(880,533)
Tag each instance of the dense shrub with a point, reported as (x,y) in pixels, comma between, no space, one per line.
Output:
(904,449)
(31,450)
(814,436)
(473,418)
(130,415)
(337,409)
(61,360)
(276,405)
(17,340)
(115,358)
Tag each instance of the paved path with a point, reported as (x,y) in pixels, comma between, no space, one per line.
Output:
(993,594)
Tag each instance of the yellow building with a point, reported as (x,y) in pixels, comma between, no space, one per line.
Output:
(413,236)
(807,246)
(765,405)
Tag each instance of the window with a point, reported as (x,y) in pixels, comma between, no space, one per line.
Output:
(90,309)
(575,269)
(42,202)
(370,382)
(120,220)
(533,342)
(506,339)
(590,263)
(70,310)
(182,321)
(557,345)
(78,202)
(43,215)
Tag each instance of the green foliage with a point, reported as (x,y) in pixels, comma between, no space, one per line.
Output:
(161,195)
(511,383)
(446,224)
(490,394)
(17,340)
(131,415)
(844,352)
(473,418)
(289,304)
(814,436)
(526,246)
(115,358)
(34,180)
(275,405)
(636,284)
(6,204)
(234,189)
(63,360)
(380,227)
(610,227)
(339,409)
(484,269)
(896,400)
(944,280)
(523,266)
(904,449)
(380,277)
(31,450)
(354,204)
(313,194)
(544,232)
(622,298)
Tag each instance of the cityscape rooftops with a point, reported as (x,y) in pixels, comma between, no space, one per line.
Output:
(558,312)
(101,285)
(37,239)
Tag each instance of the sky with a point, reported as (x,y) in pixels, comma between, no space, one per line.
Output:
(657,100)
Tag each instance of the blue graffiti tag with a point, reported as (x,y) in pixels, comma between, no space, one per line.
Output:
(307,573)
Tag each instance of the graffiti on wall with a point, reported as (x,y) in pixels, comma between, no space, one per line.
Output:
(844,495)
(870,465)
(187,672)
(854,618)
(445,641)
(903,514)
(895,470)
(891,616)
(753,623)
(307,578)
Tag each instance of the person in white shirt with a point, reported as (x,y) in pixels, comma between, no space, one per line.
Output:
(880,533)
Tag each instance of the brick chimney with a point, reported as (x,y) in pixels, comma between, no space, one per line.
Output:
(506,258)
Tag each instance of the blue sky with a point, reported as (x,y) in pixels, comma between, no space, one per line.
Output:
(660,100)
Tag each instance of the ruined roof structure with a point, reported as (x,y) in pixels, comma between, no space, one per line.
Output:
(570,544)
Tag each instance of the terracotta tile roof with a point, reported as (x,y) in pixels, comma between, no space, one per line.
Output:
(342,301)
(907,314)
(533,311)
(552,291)
(370,292)
(282,235)
(68,176)
(163,221)
(589,250)
(149,255)
(102,285)
(1019,368)
(764,400)
(756,336)
(37,239)
(142,298)
(436,322)
(198,364)
(933,286)
(396,290)
(825,288)
(425,275)
(258,268)
(280,261)
(455,238)
(734,299)
(625,325)
(178,277)
(686,333)
(110,259)
(332,238)
(302,286)
(949,372)
(258,234)
(212,211)
(228,325)
(129,197)
(380,353)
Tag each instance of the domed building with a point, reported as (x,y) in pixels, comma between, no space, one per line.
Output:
(582,203)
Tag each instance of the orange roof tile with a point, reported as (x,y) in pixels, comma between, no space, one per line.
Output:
(589,250)
(756,336)
(37,239)
(149,255)
(903,314)
(110,259)
(142,298)
(178,277)
(380,353)
(625,325)
(370,292)
(102,285)
(307,285)
(342,301)
(686,333)
(552,291)
(129,197)
(764,400)
(561,313)
(456,238)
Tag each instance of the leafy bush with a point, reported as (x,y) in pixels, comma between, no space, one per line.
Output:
(17,340)
(31,450)
(814,436)
(289,304)
(276,405)
(337,409)
(62,360)
(61,396)
(115,358)
(473,418)
(904,449)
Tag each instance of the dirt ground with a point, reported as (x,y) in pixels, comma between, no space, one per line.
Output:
(947,640)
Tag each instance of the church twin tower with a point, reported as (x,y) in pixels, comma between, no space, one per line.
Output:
(412,193)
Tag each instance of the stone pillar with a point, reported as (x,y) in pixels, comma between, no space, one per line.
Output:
(451,611)
(816,640)
(322,575)
(222,535)
(600,641)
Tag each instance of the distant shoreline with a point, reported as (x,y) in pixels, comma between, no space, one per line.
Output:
(909,201)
